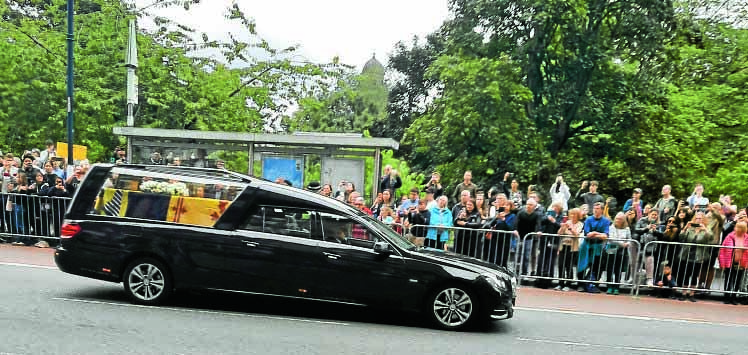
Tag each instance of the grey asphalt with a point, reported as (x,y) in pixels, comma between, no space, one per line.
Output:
(44,311)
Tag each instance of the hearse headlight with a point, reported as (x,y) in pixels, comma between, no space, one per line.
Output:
(498,284)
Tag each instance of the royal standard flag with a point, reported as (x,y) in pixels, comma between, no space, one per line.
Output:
(112,203)
(195,210)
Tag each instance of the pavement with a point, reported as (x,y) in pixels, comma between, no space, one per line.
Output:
(45,311)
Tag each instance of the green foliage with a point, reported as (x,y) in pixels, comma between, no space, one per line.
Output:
(478,122)
(186,79)
(354,106)
(632,93)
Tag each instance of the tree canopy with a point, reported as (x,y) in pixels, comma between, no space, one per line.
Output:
(186,79)
(632,93)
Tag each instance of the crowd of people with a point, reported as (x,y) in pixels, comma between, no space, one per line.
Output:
(579,239)
(575,241)
(32,184)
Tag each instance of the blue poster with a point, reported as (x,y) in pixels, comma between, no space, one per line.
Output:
(288,168)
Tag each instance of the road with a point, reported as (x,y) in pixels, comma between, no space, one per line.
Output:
(44,311)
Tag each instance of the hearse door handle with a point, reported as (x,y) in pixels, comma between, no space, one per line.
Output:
(251,243)
(332,256)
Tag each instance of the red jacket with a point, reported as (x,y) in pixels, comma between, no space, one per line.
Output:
(726,254)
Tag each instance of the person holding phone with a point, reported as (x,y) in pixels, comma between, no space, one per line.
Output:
(410,203)
(466,242)
(647,231)
(435,184)
(499,245)
(559,192)
(391,179)
(692,257)
(568,251)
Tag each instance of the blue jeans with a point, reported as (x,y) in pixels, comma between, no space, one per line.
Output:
(18,225)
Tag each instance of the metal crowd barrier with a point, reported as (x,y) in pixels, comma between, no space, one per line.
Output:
(567,259)
(692,267)
(29,218)
(490,245)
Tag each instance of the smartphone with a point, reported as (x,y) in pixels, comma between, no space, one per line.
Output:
(695,225)
(501,209)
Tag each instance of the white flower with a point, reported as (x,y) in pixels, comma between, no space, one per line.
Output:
(163,187)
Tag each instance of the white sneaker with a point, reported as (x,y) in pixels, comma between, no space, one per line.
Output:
(566,289)
(557,288)
(42,244)
(650,283)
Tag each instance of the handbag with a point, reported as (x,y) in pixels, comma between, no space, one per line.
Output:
(9,205)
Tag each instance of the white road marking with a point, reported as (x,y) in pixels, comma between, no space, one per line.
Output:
(186,310)
(643,318)
(616,347)
(29,265)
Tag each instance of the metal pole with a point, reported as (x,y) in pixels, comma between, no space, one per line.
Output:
(251,162)
(70,83)
(377,170)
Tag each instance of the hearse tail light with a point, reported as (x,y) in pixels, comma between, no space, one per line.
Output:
(69,230)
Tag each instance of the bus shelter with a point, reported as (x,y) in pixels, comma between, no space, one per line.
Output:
(341,155)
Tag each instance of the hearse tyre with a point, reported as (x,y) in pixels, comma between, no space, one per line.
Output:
(453,307)
(147,281)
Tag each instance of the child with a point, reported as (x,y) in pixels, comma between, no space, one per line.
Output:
(387,215)
(665,283)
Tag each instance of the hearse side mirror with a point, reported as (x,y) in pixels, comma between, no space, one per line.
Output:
(382,248)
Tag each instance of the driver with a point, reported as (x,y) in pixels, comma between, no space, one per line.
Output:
(340,236)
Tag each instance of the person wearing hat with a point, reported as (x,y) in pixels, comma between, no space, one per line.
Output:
(635,203)
(314,186)
(28,168)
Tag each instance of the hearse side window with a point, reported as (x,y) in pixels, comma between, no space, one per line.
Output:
(289,221)
(341,229)
(132,193)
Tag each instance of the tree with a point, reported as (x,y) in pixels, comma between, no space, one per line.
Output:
(478,121)
(187,80)
(354,106)
(563,47)
(411,87)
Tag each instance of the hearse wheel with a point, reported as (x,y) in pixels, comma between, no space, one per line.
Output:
(147,282)
(453,307)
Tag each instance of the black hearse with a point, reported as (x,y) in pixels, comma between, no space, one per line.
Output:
(158,229)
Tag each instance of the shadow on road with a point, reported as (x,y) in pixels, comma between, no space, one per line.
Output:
(272,306)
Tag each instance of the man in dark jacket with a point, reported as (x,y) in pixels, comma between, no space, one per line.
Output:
(29,169)
(528,221)
(457,208)
(589,198)
(419,217)
(548,244)
(390,180)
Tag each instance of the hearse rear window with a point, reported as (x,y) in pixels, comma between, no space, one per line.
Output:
(192,200)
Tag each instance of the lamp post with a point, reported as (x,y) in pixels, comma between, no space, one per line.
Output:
(70,85)
(131,63)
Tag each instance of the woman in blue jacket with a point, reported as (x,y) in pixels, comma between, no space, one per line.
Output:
(441,217)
